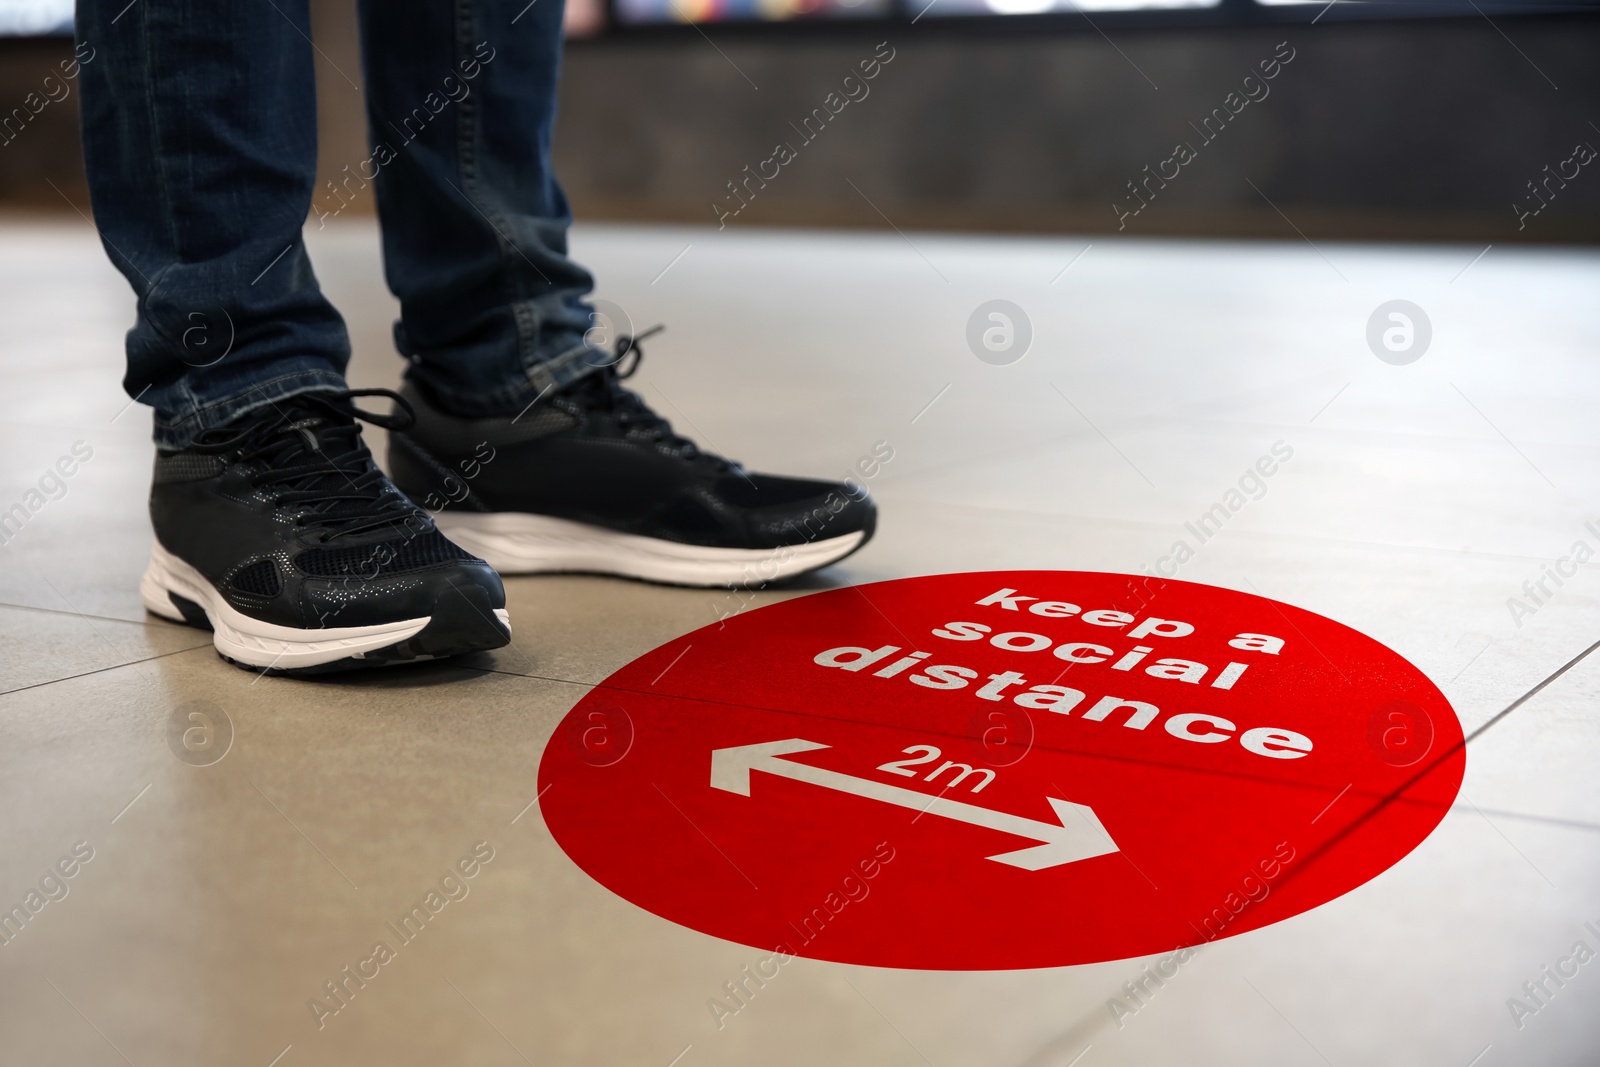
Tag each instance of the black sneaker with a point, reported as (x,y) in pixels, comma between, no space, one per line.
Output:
(279,534)
(590,479)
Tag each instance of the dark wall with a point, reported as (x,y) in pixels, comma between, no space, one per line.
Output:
(1381,130)
(1372,130)
(38,148)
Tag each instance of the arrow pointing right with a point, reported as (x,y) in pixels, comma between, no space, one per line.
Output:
(1076,835)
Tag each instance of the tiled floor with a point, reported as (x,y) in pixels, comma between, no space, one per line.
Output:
(1419,498)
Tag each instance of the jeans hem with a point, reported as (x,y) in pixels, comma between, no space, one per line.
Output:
(542,378)
(174,434)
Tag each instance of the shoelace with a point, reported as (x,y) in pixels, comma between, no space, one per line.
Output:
(628,344)
(604,391)
(308,451)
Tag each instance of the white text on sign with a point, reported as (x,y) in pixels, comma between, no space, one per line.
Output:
(1267,741)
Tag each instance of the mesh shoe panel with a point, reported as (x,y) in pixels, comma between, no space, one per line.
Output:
(260,578)
(397,556)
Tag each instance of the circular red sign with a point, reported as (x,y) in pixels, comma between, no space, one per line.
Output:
(1001,770)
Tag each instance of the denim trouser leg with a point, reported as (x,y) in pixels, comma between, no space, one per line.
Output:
(199,125)
(461,100)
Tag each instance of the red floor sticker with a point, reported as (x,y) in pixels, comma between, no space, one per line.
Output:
(1001,770)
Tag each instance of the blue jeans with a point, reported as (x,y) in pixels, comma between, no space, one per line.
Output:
(200,140)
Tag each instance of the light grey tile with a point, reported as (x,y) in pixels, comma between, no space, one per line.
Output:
(221,898)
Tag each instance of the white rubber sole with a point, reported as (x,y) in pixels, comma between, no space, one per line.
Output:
(514,542)
(260,644)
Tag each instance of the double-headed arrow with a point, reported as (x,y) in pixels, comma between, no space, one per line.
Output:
(1077,836)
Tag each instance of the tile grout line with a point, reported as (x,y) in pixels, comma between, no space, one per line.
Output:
(601,685)
(1476,733)
(1530,694)
(99,670)
(1574,824)
(146,621)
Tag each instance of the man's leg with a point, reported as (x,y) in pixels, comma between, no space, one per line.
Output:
(546,460)
(461,102)
(199,127)
(273,527)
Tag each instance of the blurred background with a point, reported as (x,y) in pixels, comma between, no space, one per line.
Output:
(1425,120)
(1438,497)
